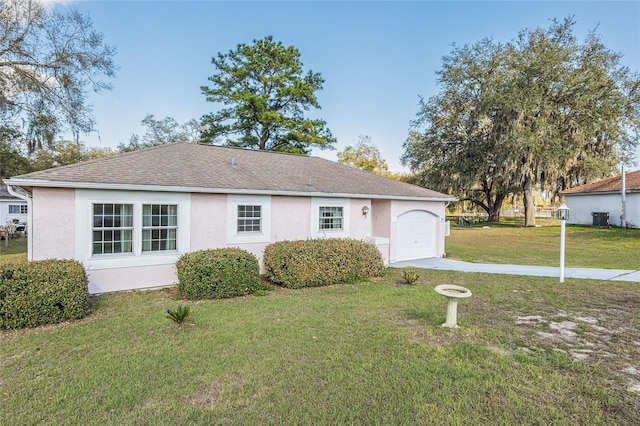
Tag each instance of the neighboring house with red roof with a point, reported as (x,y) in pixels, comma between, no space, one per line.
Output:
(605,196)
(128,218)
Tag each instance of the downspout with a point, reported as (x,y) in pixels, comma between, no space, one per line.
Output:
(26,196)
(623,216)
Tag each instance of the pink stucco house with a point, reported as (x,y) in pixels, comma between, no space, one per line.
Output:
(128,218)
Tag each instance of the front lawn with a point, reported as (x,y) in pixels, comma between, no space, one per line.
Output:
(529,351)
(511,243)
(17,250)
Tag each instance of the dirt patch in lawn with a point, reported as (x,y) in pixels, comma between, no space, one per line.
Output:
(209,398)
(587,338)
(593,323)
(598,325)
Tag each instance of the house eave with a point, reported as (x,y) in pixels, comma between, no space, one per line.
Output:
(29,183)
(617,192)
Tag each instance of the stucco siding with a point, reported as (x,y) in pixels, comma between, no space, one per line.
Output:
(63,225)
(118,279)
(54,225)
(581,207)
(381,218)
(208,221)
(291,218)
(360,224)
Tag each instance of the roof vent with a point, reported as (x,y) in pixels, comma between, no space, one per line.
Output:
(309,184)
(233,161)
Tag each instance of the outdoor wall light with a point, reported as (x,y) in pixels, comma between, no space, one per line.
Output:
(365,210)
(563,212)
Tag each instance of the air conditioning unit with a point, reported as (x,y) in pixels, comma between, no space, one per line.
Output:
(600,219)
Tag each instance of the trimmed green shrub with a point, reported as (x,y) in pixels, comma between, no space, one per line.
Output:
(318,262)
(42,292)
(216,274)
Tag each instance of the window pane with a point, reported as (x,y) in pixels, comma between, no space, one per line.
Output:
(146,240)
(17,209)
(249,219)
(159,227)
(111,228)
(330,218)
(146,215)
(126,216)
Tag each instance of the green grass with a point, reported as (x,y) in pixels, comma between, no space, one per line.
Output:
(16,251)
(367,353)
(511,243)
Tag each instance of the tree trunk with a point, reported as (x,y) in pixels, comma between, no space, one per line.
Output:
(494,216)
(529,202)
(493,207)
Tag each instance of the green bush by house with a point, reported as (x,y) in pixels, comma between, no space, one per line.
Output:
(42,292)
(219,273)
(311,263)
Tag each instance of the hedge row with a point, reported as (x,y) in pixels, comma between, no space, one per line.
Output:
(310,263)
(218,273)
(42,292)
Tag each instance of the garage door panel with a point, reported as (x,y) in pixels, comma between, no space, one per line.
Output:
(416,233)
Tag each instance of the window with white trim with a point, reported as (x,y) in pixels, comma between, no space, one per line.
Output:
(123,228)
(249,218)
(330,218)
(112,228)
(17,209)
(159,227)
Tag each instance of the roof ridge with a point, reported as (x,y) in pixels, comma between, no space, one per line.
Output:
(265,151)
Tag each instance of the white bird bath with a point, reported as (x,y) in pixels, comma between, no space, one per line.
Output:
(452,293)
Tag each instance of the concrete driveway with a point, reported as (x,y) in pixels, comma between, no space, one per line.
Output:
(537,271)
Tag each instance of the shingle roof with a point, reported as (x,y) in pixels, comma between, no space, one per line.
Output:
(4,194)
(206,168)
(614,184)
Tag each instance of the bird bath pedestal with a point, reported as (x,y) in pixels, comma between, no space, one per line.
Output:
(452,293)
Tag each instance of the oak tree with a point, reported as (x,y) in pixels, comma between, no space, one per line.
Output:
(543,110)
(49,60)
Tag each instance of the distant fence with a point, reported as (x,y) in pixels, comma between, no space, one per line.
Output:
(468,218)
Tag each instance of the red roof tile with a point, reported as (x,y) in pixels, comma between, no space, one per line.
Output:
(614,184)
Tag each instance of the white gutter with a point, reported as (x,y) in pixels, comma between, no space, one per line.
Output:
(26,196)
(198,189)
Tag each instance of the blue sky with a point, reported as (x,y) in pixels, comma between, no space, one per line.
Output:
(377,58)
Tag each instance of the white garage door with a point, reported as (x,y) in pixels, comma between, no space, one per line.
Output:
(416,235)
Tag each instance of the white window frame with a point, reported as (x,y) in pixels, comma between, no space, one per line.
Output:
(122,228)
(316,203)
(330,220)
(86,198)
(262,236)
(22,209)
(246,219)
(159,227)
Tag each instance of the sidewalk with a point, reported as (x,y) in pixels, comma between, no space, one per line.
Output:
(537,271)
